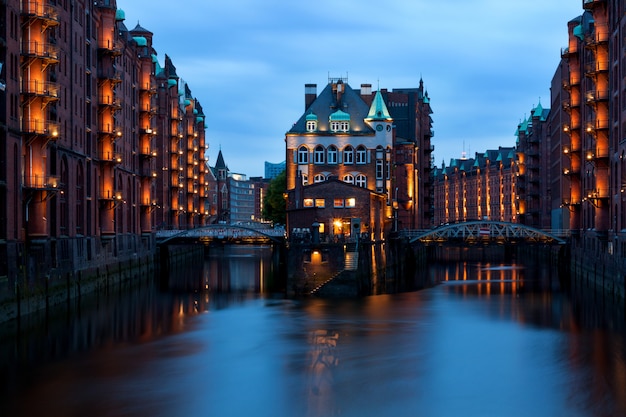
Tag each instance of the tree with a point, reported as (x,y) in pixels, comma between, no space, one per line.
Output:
(274,204)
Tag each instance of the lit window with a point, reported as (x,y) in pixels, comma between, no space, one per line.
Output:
(361,180)
(303,155)
(332,154)
(348,178)
(308,202)
(338,202)
(361,154)
(351,202)
(379,169)
(320,202)
(318,155)
(348,155)
(319,178)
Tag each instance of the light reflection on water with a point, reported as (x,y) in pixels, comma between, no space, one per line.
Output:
(487,340)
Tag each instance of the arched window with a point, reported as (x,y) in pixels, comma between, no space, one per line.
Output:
(348,155)
(303,155)
(331,154)
(63,203)
(349,178)
(80,197)
(361,155)
(318,155)
(305,179)
(361,180)
(319,178)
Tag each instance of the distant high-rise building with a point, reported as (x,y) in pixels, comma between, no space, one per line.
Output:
(272,170)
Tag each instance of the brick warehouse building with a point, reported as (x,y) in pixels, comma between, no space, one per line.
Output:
(99,143)
(350,135)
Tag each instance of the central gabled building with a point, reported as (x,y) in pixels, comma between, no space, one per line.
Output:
(349,135)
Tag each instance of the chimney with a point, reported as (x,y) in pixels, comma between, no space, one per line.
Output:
(310,94)
(366,89)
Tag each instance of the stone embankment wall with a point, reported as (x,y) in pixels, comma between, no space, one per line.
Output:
(598,271)
(57,288)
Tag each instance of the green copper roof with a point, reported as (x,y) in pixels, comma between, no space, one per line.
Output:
(120,15)
(578,32)
(378,109)
(171,82)
(538,111)
(339,115)
(312,116)
(141,41)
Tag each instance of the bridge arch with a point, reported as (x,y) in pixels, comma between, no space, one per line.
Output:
(220,231)
(485,231)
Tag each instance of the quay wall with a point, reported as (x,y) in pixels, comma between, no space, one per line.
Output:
(599,271)
(114,266)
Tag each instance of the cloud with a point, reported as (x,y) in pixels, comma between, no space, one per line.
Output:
(485,63)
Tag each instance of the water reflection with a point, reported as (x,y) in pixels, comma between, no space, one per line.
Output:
(214,339)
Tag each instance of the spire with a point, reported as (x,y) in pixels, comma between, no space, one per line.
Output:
(219,163)
(378,109)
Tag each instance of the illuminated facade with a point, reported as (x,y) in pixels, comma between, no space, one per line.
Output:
(182,188)
(532,180)
(593,124)
(350,135)
(479,188)
(84,157)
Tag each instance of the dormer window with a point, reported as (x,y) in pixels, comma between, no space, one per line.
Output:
(339,121)
(311,122)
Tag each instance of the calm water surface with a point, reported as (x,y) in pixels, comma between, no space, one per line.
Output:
(486,340)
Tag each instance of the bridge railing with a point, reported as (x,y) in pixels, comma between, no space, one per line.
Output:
(491,230)
(220,232)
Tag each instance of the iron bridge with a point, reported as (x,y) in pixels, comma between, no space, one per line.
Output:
(486,231)
(223,232)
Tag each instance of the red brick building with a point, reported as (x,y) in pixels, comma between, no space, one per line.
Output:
(350,135)
(343,211)
(479,188)
(99,143)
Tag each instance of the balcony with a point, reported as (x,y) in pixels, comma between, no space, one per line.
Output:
(112,157)
(110,199)
(148,152)
(110,74)
(110,101)
(44,51)
(147,108)
(45,90)
(148,87)
(593,68)
(110,46)
(599,36)
(591,4)
(40,127)
(41,182)
(595,96)
(109,129)
(40,11)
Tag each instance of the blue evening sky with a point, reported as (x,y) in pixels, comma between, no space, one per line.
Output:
(485,63)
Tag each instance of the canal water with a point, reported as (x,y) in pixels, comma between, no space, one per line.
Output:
(219,339)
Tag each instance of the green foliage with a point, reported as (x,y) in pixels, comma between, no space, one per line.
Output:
(274,204)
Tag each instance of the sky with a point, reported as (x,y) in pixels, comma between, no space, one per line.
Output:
(484,63)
